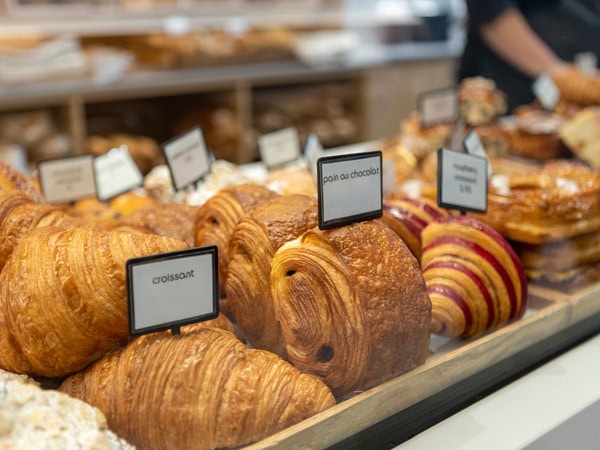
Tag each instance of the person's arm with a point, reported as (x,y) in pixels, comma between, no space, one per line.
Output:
(511,37)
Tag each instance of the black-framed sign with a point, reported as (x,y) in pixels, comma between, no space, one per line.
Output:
(438,106)
(168,290)
(187,157)
(350,188)
(116,173)
(462,181)
(279,147)
(64,180)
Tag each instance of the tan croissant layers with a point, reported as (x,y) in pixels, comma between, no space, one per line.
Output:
(219,215)
(352,304)
(202,389)
(255,240)
(62,297)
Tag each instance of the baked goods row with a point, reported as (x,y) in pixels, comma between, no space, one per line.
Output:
(333,312)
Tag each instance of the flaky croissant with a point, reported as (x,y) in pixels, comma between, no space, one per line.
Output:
(19,213)
(255,240)
(219,215)
(63,297)
(352,304)
(202,389)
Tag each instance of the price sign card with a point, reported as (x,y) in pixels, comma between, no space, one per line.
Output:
(474,146)
(172,289)
(350,188)
(438,106)
(279,147)
(546,91)
(587,63)
(67,179)
(116,173)
(187,157)
(462,181)
(312,152)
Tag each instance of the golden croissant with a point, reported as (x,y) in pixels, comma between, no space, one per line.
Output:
(63,297)
(255,240)
(219,215)
(352,304)
(202,389)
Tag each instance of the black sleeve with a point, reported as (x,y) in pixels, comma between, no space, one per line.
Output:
(483,11)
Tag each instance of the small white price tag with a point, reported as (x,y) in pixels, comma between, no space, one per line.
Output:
(172,289)
(279,147)
(188,158)
(176,25)
(546,91)
(350,188)
(474,146)
(587,63)
(312,152)
(438,106)
(462,181)
(116,173)
(67,179)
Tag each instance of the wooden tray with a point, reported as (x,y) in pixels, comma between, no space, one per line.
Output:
(453,360)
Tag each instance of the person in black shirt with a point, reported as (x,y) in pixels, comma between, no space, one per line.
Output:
(513,41)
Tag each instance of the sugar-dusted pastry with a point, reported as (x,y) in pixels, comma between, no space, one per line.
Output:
(474,278)
(559,200)
(34,418)
(202,389)
(63,297)
(352,304)
(255,240)
(219,215)
(13,180)
(479,101)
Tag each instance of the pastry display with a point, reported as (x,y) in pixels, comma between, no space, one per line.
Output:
(352,304)
(201,389)
(62,297)
(218,217)
(582,135)
(34,418)
(254,241)
(474,278)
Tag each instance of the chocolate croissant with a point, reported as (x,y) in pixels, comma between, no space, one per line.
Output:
(255,240)
(201,389)
(352,304)
(219,215)
(63,297)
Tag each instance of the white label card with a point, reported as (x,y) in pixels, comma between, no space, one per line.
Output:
(474,146)
(172,289)
(462,181)
(587,63)
(116,173)
(279,147)
(67,179)
(546,91)
(438,106)
(188,158)
(350,188)
(312,152)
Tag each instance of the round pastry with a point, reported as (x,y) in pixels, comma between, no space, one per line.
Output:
(479,101)
(557,201)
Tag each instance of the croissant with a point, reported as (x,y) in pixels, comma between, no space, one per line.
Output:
(202,389)
(174,220)
(255,240)
(219,215)
(352,304)
(19,214)
(62,297)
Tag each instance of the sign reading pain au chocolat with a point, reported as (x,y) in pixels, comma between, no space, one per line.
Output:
(172,289)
